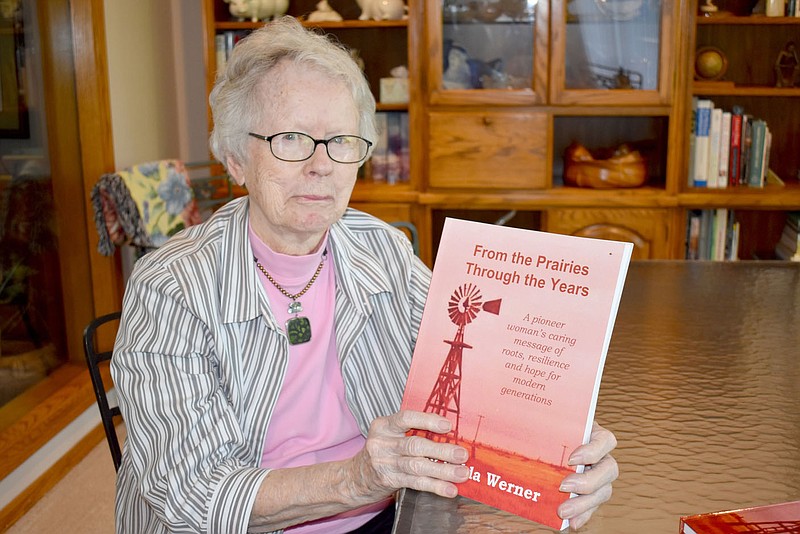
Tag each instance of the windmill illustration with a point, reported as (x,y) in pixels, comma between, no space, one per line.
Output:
(463,306)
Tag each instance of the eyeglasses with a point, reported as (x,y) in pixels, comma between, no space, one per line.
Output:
(296,146)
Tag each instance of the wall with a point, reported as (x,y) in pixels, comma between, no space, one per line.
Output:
(156,80)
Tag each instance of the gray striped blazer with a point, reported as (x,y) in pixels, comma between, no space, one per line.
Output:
(199,360)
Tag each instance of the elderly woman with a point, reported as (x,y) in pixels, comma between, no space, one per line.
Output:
(262,355)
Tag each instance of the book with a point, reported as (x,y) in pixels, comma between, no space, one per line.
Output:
(754,167)
(747,140)
(692,137)
(380,152)
(702,141)
(394,142)
(720,233)
(778,518)
(735,157)
(405,149)
(724,149)
(511,349)
(693,235)
(714,135)
(788,247)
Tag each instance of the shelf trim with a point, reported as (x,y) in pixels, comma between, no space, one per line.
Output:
(707,89)
(326,25)
(751,20)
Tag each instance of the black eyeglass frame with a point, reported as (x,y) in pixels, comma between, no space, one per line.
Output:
(317,142)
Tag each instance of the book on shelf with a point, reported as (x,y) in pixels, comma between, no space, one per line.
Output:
(511,349)
(692,141)
(735,156)
(724,149)
(755,166)
(394,148)
(714,136)
(702,141)
(747,141)
(788,247)
(390,155)
(776,518)
(380,152)
(712,234)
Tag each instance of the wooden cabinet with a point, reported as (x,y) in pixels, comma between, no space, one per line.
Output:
(648,229)
(468,148)
(499,90)
(547,77)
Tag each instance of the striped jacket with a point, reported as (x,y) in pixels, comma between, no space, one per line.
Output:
(199,360)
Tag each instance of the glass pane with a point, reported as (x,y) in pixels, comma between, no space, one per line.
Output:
(31,311)
(487,44)
(613,44)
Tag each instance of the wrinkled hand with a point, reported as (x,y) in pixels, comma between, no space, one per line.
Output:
(593,486)
(391,460)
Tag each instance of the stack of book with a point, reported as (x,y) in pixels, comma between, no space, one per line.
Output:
(727,148)
(712,235)
(224,43)
(390,156)
(788,248)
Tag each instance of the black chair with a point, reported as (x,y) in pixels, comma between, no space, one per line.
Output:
(93,360)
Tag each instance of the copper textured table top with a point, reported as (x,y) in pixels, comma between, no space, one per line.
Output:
(702,389)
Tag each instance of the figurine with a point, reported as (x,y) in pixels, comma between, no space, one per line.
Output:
(787,67)
(382,9)
(257,10)
(324,13)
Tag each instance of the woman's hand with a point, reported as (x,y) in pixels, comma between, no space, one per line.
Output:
(391,460)
(593,486)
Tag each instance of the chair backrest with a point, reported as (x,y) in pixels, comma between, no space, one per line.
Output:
(93,359)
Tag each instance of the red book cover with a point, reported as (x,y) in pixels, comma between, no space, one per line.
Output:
(511,349)
(735,155)
(773,518)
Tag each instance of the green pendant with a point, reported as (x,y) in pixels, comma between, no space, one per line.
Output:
(299,330)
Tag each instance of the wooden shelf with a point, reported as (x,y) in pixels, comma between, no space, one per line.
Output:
(767,198)
(748,20)
(368,191)
(725,89)
(331,25)
(561,197)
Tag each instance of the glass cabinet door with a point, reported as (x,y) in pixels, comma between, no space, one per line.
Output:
(487,51)
(611,52)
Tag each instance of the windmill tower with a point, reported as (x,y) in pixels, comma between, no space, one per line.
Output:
(464,305)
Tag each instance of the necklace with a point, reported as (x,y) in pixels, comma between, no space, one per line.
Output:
(297,328)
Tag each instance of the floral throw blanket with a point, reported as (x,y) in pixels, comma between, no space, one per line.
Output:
(143,205)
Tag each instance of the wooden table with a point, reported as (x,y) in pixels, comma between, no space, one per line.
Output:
(702,389)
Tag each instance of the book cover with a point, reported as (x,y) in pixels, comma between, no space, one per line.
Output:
(692,137)
(747,140)
(405,148)
(758,136)
(714,135)
(781,517)
(724,149)
(720,233)
(394,149)
(735,157)
(765,157)
(693,236)
(380,153)
(511,349)
(702,141)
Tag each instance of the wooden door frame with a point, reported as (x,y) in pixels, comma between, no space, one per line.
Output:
(78,116)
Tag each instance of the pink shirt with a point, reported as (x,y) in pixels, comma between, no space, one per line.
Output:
(311,422)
